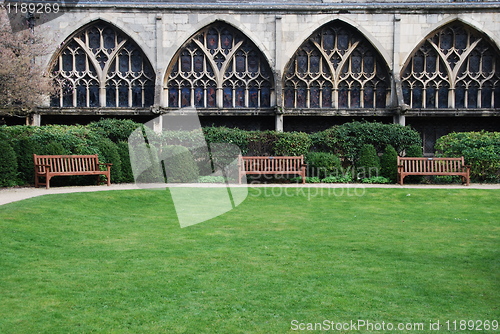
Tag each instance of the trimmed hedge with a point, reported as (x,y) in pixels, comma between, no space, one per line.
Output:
(368,164)
(8,165)
(347,139)
(388,164)
(334,150)
(323,164)
(179,165)
(292,144)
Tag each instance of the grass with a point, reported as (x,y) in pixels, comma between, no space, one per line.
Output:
(118,262)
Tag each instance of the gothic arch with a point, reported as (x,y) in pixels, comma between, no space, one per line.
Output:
(100,66)
(336,68)
(455,67)
(219,67)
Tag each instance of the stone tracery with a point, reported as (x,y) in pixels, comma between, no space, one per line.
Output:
(101,67)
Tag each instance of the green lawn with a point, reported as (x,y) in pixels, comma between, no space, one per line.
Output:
(117,261)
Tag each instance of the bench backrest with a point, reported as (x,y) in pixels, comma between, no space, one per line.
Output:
(67,163)
(260,164)
(430,165)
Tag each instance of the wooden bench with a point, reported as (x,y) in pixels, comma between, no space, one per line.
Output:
(272,165)
(433,166)
(49,166)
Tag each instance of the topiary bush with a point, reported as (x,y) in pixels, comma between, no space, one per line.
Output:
(8,165)
(123,151)
(292,144)
(108,153)
(179,164)
(368,163)
(322,164)
(388,164)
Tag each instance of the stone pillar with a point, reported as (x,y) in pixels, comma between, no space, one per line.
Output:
(158,124)
(396,91)
(34,120)
(399,119)
(159,94)
(279,123)
(277,65)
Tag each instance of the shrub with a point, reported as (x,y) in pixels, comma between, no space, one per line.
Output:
(123,151)
(262,143)
(114,129)
(322,164)
(347,139)
(8,165)
(54,148)
(414,151)
(236,137)
(211,179)
(346,178)
(376,179)
(481,150)
(108,153)
(179,164)
(292,144)
(388,164)
(368,162)
(25,148)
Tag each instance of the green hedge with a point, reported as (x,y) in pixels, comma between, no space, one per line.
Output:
(8,165)
(338,147)
(481,150)
(347,139)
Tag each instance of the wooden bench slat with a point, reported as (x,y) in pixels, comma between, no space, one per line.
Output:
(48,166)
(271,165)
(432,166)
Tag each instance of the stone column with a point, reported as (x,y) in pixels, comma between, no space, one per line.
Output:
(277,65)
(159,94)
(34,120)
(397,100)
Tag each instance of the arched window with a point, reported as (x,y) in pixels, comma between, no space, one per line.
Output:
(100,66)
(455,67)
(336,67)
(219,68)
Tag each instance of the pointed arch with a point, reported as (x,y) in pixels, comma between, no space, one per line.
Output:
(455,67)
(336,67)
(219,67)
(100,66)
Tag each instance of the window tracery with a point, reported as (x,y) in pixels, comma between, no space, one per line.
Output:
(336,67)
(454,68)
(219,68)
(101,67)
